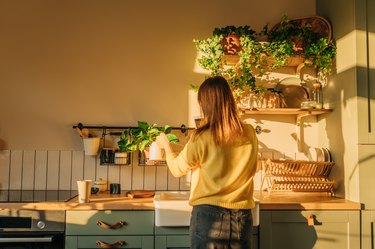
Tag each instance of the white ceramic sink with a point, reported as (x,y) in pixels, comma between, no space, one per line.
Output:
(172,209)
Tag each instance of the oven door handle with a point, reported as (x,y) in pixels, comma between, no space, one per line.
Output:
(27,240)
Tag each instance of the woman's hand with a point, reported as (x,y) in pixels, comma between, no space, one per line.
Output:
(164,143)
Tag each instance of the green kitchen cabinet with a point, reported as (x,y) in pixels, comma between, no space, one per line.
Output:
(367,228)
(109,229)
(172,237)
(365,73)
(308,229)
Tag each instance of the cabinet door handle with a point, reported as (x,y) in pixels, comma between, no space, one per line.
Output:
(117,244)
(311,220)
(117,225)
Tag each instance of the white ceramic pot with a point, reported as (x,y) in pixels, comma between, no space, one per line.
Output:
(156,153)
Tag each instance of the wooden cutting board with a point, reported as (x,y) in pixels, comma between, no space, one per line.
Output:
(140,194)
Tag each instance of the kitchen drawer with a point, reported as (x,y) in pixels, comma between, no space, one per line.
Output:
(97,222)
(77,242)
(130,241)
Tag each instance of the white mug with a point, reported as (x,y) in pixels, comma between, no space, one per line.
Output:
(84,191)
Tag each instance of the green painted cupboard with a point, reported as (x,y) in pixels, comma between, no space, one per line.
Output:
(109,229)
(308,229)
(172,237)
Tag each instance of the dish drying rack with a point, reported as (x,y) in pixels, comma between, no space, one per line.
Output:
(297,175)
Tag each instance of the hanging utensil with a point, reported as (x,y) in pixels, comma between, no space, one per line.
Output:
(79,132)
(85,132)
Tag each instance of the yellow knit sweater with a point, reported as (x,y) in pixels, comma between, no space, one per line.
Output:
(225,175)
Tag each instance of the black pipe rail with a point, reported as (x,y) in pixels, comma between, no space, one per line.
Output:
(182,128)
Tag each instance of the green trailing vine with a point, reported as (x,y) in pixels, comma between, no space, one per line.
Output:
(286,40)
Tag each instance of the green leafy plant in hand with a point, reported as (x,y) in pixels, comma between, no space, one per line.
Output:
(145,134)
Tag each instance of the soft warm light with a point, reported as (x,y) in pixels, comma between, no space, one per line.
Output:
(194,109)
(351,51)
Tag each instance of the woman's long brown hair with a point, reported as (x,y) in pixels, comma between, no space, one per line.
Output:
(219,110)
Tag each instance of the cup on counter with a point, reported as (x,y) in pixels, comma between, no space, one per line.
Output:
(84,190)
(115,188)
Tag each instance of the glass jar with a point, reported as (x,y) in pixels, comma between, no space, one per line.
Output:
(317,95)
(273,98)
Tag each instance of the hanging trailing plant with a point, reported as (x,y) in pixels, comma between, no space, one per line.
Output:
(240,76)
(251,58)
(299,37)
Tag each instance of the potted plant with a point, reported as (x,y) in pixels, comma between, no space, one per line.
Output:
(231,35)
(126,145)
(235,64)
(307,37)
(145,135)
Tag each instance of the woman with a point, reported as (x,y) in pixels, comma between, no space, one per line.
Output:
(222,155)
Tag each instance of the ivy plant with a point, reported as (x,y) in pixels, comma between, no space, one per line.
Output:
(288,39)
(233,30)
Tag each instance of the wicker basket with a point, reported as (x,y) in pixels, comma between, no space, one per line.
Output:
(293,175)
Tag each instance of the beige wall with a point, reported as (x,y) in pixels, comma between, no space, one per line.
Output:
(107,62)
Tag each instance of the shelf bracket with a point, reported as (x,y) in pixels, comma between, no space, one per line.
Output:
(299,67)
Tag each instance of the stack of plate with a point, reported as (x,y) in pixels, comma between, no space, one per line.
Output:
(320,155)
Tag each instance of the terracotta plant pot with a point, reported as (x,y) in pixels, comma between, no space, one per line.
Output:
(231,44)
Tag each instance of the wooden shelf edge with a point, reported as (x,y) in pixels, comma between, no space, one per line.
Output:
(285,111)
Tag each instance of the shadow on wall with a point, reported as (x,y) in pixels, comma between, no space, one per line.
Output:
(338,97)
(3,144)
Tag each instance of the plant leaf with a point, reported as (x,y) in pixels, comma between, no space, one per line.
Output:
(167,129)
(143,126)
(172,138)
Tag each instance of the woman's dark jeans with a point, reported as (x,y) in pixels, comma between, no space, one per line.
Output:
(221,228)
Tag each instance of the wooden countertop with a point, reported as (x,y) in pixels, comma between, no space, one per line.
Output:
(276,201)
(100,201)
(303,201)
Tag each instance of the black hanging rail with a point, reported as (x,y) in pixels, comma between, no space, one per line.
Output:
(80,126)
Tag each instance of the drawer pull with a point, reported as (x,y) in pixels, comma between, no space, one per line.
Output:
(311,220)
(117,244)
(117,225)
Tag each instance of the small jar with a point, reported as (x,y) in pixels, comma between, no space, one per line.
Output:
(273,98)
(101,185)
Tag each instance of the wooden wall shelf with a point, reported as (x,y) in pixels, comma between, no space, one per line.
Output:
(286,111)
(297,61)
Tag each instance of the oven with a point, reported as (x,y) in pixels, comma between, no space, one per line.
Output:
(32,229)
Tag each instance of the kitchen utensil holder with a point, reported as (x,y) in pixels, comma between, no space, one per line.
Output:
(297,175)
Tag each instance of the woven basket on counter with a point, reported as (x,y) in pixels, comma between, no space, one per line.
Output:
(297,175)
